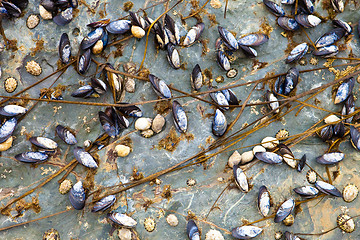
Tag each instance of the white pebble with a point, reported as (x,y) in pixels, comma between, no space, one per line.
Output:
(234,159)
(158,123)
(214,235)
(138,32)
(172,220)
(269,142)
(122,150)
(258,148)
(247,157)
(143,123)
(331,119)
(124,234)
(45,14)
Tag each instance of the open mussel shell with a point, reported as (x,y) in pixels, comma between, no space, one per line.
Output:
(246,232)
(274,103)
(12,9)
(77,196)
(285,84)
(274,8)
(355,137)
(344,90)
(230,97)
(291,236)
(240,178)
(100,23)
(330,158)
(104,203)
(179,116)
(64,17)
(269,157)
(173,56)
(98,85)
(116,83)
(220,99)
(327,188)
(338,5)
(119,26)
(341,24)
(65,135)
(327,51)
(122,220)
(264,202)
(92,38)
(132,110)
(192,230)
(348,108)
(137,20)
(307,21)
(253,40)
(308,5)
(306,191)
(64,49)
(228,39)
(172,30)
(7,129)
(44,143)
(301,163)
(160,87)
(297,53)
(223,60)
(330,37)
(194,34)
(196,78)
(83,92)
(84,158)
(285,209)
(32,157)
(288,23)
(219,124)
(84,62)
(248,51)
(108,124)
(12,110)
(161,38)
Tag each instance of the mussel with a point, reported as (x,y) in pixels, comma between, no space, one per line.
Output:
(64,17)
(269,157)
(326,133)
(297,53)
(306,191)
(291,236)
(338,5)
(348,108)
(220,99)
(122,220)
(240,178)
(84,61)
(246,232)
(104,203)
(341,24)
(223,60)
(307,21)
(160,87)
(327,188)
(285,209)
(355,137)
(116,83)
(83,92)
(100,23)
(12,110)
(192,230)
(228,39)
(44,143)
(264,202)
(285,84)
(230,97)
(301,163)
(98,85)
(327,51)
(330,37)
(179,116)
(172,30)
(339,130)
(330,158)
(248,51)
(253,40)
(173,56)
(196,78)
(274,103)
(7,129)
(344,90)
(92,38)
(219,124)
(84,158)
(32,157)
(288,23)
(65,135)
(194,34)
(64,49)
(118,26)
(308,5)
(274,8)
(11,9)
(132,110)
(77,196)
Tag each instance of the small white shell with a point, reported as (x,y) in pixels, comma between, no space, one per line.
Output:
(258,148)
(124,234)
(137,31)
(269,142)
(234,159)
(247,157)
(33,68)
(290,160)
(172,220)
(311,176)
(331,119)
(214,235)
(65,186)
(122,150)
(45,14)
(143,124)
(350,192)
(158,123)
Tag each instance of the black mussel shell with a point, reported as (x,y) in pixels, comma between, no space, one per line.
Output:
(253,40)
(62,4)
(308,5)
(219,124)
(7,129)
(288,23)
(297,53)
(246,232)
(65,135)
(283,149)
(179,116)
(327,51)
(220,99)
(22,4)
(223,60)
(173,56)
(122,220)
(104,203)
(290,236)
(118,27)
(291,80)
(338,5)
(98,85)
(194,34)
(348,108)
(31,157)
(137,20)
(344,90)
(84,61)
(230,97)
(301,163)
(264,202)
(339,130)
(100,23)
(274,8)
(228,39)
(84,158)
(326,133)
(240,179)
(172,30)
(132,110)
(269,157)
(92,38)
(12,110)
(306,191)
(108,124)
(284,210)
(160,87)
(330,37)
(161,38)
(307,21)
(327,188)
(116,83)
(64,17)
(43,142)
(77,196)
(49,5)
(83,92)
(274,103)
(196,78)
(355,137)
(248,51)
(330,158)
(192,230)
(344,25)
(64,48)
(11,9)
(74,3)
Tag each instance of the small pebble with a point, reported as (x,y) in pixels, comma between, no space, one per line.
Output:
(137,31)
(158,123)
(331,119)
(122,150)
(65,186)
(234,159)
(247,157)
(124,234)
(172,220)
(45,14)
(7,144)
(98,47)
(32,21)
(143,124)
(214,235)
(269,142)
(33,68)
(258,148)
(10,84)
